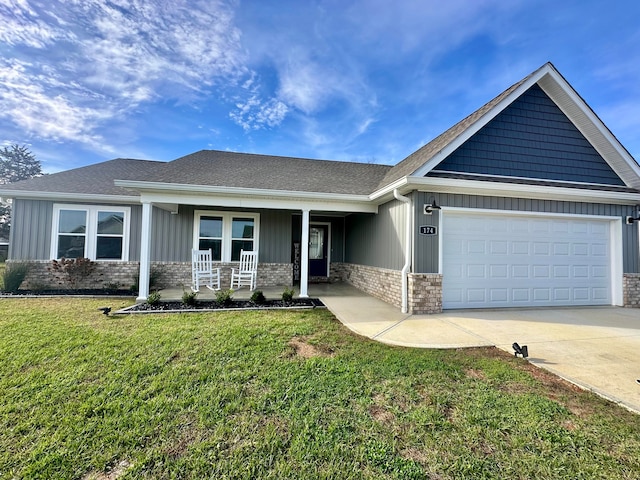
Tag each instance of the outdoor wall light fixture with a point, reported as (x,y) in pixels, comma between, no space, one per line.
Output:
(430,207)
(630,220)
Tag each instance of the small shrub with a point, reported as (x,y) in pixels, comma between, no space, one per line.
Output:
(74,269)
(189,298)
(154,298)
(13,276)
(287,295)
(258,297)
(112,286)
(224,297)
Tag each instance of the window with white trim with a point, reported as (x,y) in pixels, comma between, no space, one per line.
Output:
(225,233)
(90,231)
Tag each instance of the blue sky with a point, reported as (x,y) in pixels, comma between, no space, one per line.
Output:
(82,81)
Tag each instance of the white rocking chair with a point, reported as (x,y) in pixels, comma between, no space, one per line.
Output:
(247,271)
(202,271)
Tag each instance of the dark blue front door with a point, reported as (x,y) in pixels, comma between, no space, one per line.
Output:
(318,250)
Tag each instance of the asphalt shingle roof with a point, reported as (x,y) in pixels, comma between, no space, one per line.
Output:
(241,170)
(214,168)
(93,179)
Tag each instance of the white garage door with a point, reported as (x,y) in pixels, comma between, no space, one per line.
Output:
(496,260)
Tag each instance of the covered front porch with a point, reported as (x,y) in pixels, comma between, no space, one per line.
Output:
(297,235)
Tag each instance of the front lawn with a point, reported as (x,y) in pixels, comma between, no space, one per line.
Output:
(281,394)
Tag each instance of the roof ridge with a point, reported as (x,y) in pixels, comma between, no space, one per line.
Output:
(286,157)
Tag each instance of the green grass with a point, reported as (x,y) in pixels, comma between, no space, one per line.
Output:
(230,395)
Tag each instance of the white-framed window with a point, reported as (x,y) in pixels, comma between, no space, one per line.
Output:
(225,233)
(96,232)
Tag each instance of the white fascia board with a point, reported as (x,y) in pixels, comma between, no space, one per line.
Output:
(71,197)
(594,130)
(481,122)
(250,198)
(240,191)
(387,192)
(539,192)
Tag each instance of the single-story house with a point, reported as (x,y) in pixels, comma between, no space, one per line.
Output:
(529,201)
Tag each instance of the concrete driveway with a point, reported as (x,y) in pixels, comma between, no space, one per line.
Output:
(597,348)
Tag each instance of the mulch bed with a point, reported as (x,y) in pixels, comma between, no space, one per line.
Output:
(233,305)
(171,306)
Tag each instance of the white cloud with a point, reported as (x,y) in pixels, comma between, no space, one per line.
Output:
(256,113)
(70,66)
(22,25)
(24,100)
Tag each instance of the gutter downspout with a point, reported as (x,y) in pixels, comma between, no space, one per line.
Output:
(407,255)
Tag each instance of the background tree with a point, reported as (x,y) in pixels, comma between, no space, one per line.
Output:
(16,163)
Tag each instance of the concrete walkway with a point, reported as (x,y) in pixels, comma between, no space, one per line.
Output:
(597,348)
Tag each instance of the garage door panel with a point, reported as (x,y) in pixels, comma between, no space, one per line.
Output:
(476,246)
(579,227)
(600,271)
(541,248)
(499,271)
(520,295)
(476,271)
(520,247)
(580,249)
(499,295)
(581,294)
(562,294)
(499,247)
(476,295)
(541,294)
(541,271)
(519,226)
(524,261)
(520,271)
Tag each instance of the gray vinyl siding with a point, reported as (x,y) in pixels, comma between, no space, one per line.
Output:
(531,138)
(30,230)
(426,247)
(172,237)
(135,232)
(377,240)
(275,236)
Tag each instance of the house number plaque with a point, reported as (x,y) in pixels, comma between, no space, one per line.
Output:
(428,230)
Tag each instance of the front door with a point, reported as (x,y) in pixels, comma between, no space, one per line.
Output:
(318,250)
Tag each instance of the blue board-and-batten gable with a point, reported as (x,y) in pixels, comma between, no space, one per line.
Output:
(531,138)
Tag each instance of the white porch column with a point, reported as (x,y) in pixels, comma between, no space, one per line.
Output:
(304,261)
(145,253)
